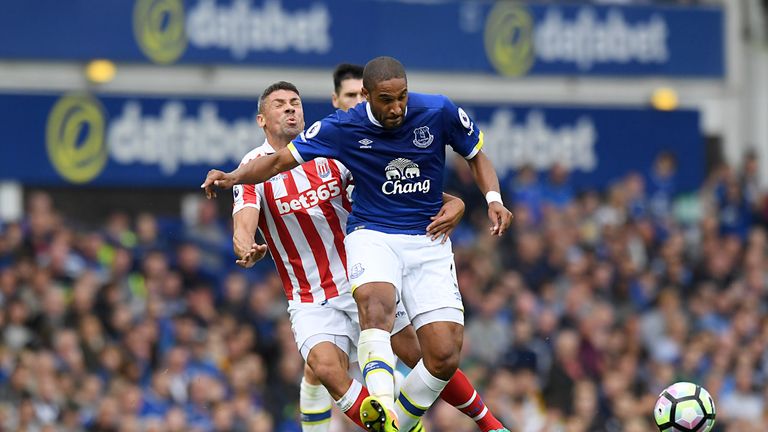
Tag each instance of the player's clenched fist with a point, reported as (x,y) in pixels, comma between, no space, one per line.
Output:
(218,179)
(500,217)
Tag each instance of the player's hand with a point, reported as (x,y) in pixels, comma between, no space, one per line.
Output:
(242,244)
(446,220)
(256,253)
(500,217)
(216,178)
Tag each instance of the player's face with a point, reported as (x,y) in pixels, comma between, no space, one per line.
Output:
(349,95)
(282,114)
(388,100)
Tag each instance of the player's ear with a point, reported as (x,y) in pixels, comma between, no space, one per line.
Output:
(364,92)
(260,120)
(335,100)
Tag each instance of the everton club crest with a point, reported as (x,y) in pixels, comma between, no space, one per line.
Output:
(422,138)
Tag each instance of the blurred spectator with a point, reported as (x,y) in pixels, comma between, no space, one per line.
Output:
(147,235)
(526,192)
(189,264)
(661,185)
(750,178)
(557,192)
(735,211)
(118,230)
(743,403)
(565,371)
(486,336)
(208,233)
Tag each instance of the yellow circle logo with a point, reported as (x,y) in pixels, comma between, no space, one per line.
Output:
(74,138)
(158,26)
(509,39)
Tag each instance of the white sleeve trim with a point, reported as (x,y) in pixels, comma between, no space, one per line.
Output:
(477,148)
(242,206)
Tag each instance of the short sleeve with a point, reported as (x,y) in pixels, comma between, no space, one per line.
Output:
(465,137)
(344,173)
(319,140)
(245,196)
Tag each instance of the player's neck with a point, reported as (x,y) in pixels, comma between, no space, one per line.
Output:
(277,142)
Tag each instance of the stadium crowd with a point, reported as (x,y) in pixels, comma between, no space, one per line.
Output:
(576,320)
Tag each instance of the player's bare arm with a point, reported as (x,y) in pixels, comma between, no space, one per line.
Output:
(447,219)
(256,171)
(246,249)
(488,182)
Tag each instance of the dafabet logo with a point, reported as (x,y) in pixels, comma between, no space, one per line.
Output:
(159,29)
(166,29)
(74,138)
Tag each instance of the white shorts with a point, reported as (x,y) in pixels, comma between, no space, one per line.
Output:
(335,321)
(422,271)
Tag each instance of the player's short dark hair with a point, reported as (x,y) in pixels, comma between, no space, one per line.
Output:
(382,69)
(280,85)
(344,72)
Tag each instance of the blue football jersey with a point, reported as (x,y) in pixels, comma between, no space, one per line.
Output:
(398,172)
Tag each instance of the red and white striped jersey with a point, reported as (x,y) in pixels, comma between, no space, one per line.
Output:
(303,217)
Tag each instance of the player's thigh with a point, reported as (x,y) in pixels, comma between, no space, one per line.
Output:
(314,323)
(345,304)
(401,321)
(430,288)
(371,257)
(375,273)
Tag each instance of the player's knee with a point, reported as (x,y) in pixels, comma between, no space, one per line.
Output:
(442,361)
(327,370)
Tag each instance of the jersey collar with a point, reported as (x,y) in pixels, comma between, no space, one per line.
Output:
(373,120)
(267,147)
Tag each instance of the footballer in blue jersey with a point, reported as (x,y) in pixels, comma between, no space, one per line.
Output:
(394,145)
(398,172)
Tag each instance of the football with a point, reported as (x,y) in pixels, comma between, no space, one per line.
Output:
(684,407)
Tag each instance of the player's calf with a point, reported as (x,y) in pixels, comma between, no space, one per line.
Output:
(440,344)
(329,365)
(315,404)
(459,392)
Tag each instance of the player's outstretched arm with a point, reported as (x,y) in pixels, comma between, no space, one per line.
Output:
(245,223)
(488,182)
(256,171)
(446,220)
